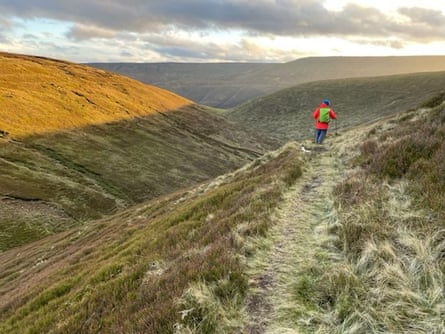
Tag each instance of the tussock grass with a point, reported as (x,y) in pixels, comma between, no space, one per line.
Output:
(172,264)
(391,235)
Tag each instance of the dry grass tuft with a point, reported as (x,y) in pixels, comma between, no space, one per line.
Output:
(391,235)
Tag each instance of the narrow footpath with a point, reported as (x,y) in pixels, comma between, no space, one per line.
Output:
(298,238)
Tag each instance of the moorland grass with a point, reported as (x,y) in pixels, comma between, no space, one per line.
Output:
(287,114)
(171,264)
(84,143)
(390,234)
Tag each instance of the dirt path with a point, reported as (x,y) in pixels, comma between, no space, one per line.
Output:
(297,240)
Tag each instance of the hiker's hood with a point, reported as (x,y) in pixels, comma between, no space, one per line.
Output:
(323,105)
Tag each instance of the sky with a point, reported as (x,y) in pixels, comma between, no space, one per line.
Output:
(220,30)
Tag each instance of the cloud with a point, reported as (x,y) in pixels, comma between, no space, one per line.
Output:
(96,18)
(423,24)
(4,39)
(176,48)
(126,54)
(392,43)
(429,17)
(81,32)
(182,53)
(214,30)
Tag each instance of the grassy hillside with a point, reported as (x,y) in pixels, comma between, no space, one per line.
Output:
(287,114)
(39,95)
(83,143)
(226,85)
(361,255)
(139,270)
(383,267)
(346,238)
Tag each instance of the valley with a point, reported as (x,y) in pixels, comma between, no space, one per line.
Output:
(125,208)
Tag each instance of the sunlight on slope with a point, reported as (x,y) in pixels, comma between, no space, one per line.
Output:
(39,95)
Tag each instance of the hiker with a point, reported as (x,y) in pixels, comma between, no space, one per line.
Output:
(322,115)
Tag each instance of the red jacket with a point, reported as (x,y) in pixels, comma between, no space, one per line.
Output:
(316,114)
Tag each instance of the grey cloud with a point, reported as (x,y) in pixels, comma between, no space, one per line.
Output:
(356,20)
(279,17)
(5,26)
(433,18)
(5,23)
(175,48)
(182,53)
(425,25)
(83,32)
(244,50)
(4,39)
(126,54)
(395,44)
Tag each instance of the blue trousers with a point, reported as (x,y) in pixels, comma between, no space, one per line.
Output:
(320,135)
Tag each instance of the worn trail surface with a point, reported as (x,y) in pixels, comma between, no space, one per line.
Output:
(297,240)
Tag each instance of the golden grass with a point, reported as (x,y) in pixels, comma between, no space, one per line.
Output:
(40,95)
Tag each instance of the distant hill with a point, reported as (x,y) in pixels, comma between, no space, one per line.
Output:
(226,85)
(287,114)
(78,143)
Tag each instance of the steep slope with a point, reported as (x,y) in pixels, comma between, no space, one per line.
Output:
(39,95)
(338,239)
(358,244)
(345,238)
(287,114)
(226,85)
(83,143)
(138,271)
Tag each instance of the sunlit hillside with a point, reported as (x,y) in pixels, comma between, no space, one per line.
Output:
(40,95)
(84,143)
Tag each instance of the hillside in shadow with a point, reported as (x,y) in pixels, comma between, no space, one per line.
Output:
(130,272)
(79,143)
(226,85)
